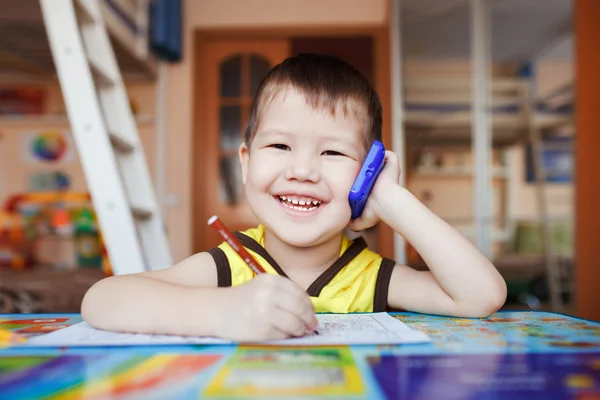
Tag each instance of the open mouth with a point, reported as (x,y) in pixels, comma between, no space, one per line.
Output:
(299,203)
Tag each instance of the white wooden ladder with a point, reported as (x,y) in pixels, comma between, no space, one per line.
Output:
(106,136)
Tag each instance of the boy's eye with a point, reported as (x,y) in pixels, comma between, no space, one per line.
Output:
(332,153)
(280,146)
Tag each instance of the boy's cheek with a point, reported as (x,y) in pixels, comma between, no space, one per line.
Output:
(261,172)
(343,185)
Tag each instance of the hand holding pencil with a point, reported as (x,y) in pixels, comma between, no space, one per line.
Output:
(267,307)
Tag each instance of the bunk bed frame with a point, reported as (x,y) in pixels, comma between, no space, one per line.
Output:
(486,114)
(26,57)
(25,54)
(438,115)
(92,48)
(438,111)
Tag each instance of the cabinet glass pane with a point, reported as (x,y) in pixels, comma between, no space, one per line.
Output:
(231,77)
(231,188)
(259,67)
(230,127)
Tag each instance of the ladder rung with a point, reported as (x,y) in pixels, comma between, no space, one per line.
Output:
(100,72)
(120,143)
(85,11)
(141,212)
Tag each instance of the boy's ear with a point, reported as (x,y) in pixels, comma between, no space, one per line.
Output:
(244,154)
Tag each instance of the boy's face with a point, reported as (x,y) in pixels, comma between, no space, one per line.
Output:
(300,168)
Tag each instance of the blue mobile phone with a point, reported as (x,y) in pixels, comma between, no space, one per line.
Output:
(366,178)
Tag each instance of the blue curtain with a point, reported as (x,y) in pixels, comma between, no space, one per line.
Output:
(166,25)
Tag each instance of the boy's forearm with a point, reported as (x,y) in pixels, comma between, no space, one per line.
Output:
(132,303)
(464,273)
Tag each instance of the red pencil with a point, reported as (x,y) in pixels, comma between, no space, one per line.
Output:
(220,227)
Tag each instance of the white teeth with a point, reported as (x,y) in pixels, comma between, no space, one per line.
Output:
(303,209)
(300,205)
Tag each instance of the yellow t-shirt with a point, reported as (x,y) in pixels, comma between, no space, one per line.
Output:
(357,281)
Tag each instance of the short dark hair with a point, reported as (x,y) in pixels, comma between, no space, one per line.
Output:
(326,81)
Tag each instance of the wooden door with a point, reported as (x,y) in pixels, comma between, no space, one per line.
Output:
(230,72)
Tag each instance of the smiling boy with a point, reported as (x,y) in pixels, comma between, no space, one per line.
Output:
(312,122)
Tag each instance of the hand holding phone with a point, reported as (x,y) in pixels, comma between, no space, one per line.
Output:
(370,170)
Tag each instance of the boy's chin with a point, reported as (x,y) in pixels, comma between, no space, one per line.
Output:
(304,237)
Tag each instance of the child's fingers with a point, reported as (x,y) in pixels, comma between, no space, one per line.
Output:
(288,322)
(295,290)
(390,157)
(274,333)
(392,164)
(301,306)
(357,224)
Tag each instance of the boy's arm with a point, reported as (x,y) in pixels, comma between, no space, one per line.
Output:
(145,302)
(461,280)
(185,300)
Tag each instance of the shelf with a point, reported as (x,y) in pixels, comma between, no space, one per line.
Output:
(451,172)
(498,234)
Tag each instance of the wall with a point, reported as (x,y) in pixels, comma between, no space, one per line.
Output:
(201,14)
(552,74)
(15,170)
(265,13)
(523,200)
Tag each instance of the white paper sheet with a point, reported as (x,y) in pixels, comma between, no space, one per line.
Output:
(334,329)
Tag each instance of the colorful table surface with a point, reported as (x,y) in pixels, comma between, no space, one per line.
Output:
(512,355)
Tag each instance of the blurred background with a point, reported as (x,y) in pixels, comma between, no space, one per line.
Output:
(447,71)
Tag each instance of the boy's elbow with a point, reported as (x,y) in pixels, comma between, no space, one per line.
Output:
(497,296)
(94,304)
(488,303)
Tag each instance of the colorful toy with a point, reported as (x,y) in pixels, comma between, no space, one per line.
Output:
(35,223)
(87,240)
(13,252)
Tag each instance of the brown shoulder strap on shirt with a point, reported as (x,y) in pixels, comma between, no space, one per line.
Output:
(223,267)
(253,245)
(323,280)
(382,285)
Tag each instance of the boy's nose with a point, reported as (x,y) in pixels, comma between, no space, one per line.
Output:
(303,170)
